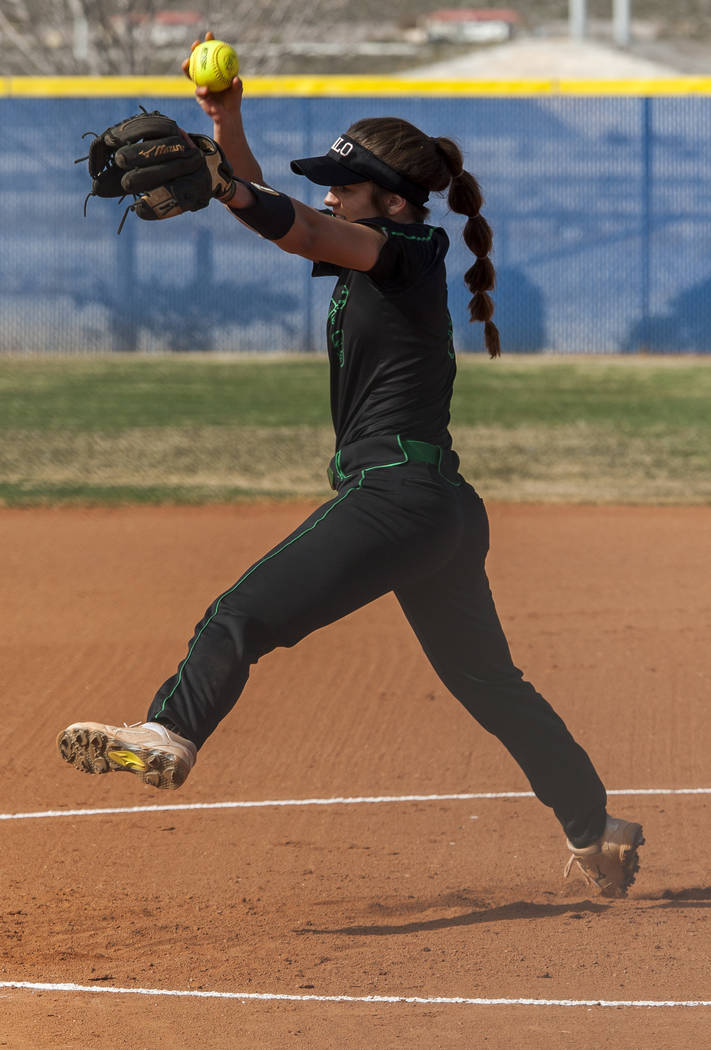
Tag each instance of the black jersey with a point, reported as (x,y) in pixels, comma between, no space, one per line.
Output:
(390,339)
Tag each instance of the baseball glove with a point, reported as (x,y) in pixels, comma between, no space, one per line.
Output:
(167,171)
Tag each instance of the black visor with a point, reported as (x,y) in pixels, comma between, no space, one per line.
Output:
(347,162)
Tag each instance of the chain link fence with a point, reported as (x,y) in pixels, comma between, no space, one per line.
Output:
(600,209)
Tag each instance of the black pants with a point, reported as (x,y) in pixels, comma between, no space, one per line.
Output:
(419,530)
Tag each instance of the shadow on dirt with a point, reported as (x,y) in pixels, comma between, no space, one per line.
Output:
(518,910)
(694,897)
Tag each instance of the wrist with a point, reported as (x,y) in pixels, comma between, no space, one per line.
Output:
(226,121)
(239,196)
(227,196)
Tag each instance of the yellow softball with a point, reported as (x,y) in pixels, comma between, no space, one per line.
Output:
(213,64)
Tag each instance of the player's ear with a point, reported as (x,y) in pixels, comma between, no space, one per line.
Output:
(395,205)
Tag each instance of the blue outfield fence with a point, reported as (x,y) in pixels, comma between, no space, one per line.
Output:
(600,207)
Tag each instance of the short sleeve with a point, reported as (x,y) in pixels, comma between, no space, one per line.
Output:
(409,253)
(326,269)
(321,269)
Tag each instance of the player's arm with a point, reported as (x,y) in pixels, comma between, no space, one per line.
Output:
(310,234)
(300,230)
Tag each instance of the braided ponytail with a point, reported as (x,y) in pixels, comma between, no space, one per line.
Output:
(465,198)
(436,163)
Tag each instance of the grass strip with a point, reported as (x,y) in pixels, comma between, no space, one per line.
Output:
(188,429)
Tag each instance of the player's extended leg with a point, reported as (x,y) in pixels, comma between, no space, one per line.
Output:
(454,617)
(350,551)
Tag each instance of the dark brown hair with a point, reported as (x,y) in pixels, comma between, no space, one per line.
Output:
(437,164)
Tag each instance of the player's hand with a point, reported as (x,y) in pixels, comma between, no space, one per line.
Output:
(218,105)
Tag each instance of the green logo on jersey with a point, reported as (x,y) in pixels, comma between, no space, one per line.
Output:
(335,324)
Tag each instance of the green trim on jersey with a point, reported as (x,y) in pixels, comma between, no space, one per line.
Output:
(411,236)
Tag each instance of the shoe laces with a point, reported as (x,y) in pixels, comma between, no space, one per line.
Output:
(587,875)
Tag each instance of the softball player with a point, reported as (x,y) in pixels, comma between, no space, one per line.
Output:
(402,518)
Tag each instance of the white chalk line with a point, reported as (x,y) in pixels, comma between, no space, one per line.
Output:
(355,801)
(37,986)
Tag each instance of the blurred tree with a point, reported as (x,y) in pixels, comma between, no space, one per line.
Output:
(97,37)
(151,37)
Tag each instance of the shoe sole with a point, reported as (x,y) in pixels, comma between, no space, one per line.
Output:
(96,751)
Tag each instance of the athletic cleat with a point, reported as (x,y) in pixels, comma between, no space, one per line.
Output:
(612,862)
(161,758)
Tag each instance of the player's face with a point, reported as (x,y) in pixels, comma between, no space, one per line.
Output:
(352,202)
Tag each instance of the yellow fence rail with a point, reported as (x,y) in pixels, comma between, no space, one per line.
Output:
(335,86)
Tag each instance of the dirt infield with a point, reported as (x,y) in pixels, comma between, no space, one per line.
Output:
(608,611)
